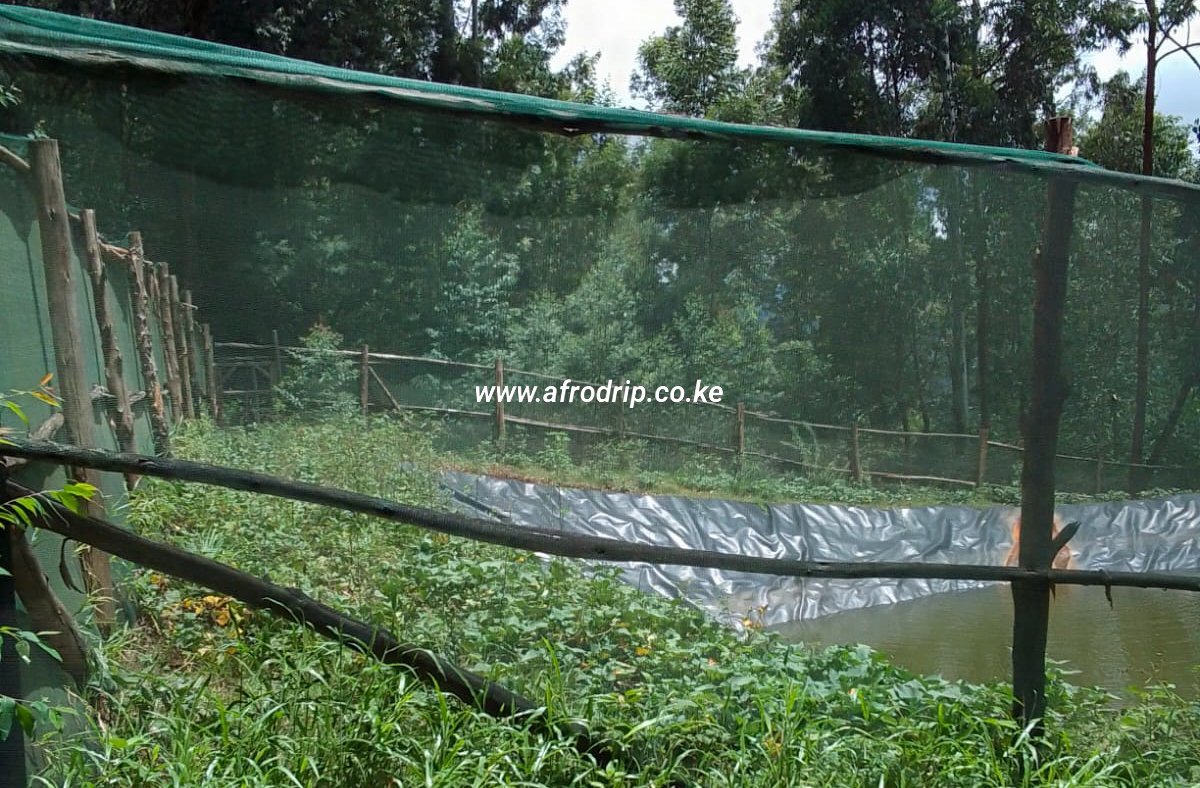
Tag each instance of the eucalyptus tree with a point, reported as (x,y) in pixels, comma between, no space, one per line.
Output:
(1162,22)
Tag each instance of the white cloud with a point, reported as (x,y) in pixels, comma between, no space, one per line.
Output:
(616,28)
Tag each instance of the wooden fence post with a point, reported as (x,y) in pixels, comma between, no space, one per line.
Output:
(144,338)
(499,428)
(114,365)
(170,349)
(981,462)
(189,332)
(55,232)
(159,426)
(276,359)
(855,457)
(12,747)
(364,380)
(210,373)
(1031,598)
(183,348)
(739,432)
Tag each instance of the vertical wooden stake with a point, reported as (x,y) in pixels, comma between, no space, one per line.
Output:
(739,430)
(981,462)
(855,456)
(1099,482)
(159,425)
(277,360)
(114,365)
(62,303)
(183,347)
(210,373)
(12,747)
(364,381)
(166,315)
(499,428)
(189,333)
(1031,598)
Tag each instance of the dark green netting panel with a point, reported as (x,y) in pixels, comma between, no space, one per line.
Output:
(822,280)
(865,304)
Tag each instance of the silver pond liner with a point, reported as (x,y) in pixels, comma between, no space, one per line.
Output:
(1130,535)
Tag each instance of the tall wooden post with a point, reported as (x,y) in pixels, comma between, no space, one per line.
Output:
(739,430)
(364,381)
(12,747)
(166,314)
(189,333)
(55,232)
(159,426)
(277,359)
(855,456)
(499,427)
(183,348)
(210,373)
(1031,598)
(114,365)
(981,460)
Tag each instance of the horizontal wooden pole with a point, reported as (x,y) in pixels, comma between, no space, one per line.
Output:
(554,542)
(293,605)
(13,160)
(447,411)
(905,477)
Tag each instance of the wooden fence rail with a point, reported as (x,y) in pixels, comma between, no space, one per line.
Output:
(91,285)
(739,414)
(558,543)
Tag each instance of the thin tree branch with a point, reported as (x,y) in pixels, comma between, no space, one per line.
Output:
(1184,48)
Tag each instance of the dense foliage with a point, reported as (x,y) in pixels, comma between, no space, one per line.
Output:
(249,700)
(833,288)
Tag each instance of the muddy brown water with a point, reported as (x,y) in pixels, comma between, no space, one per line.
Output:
(1147,637)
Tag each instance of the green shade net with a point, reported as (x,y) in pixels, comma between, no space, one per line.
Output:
(819,278)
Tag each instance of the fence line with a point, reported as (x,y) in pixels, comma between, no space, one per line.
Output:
(738,447)
(90,286)
(563,544)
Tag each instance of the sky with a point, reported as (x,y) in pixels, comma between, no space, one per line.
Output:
(616,28)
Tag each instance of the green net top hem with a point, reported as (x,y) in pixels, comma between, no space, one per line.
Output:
(87,42)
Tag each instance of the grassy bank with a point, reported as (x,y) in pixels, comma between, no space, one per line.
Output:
(202,691)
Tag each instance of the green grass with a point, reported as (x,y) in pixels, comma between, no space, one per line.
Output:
(204,692)
(633,466)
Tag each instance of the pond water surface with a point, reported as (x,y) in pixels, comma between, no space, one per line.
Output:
(1148,636)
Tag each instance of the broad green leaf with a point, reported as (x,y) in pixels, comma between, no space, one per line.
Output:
(15,408)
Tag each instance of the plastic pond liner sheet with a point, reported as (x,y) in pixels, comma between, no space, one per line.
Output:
(1135,536)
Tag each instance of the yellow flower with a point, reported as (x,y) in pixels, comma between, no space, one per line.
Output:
(641,651)
(222,617)
(773,745)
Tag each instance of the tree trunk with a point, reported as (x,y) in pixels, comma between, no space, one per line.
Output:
(1142,385)
(958,320)
(445,56)
(1176,412)
(982,313)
